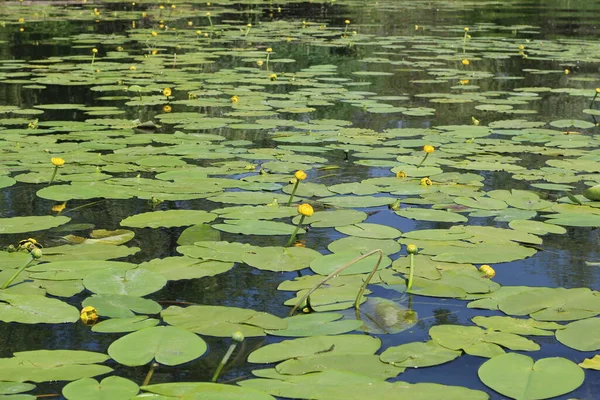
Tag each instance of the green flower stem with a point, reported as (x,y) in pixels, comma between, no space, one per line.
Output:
(412,272)
(12,278)
(153,367)
(210,22)
(221,365)
(423,160)
(53,175)
(336,273)
(289,203)
(289,243)
(593,100)
(268,54)
(93,58)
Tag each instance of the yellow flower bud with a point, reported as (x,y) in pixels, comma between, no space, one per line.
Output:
(428,148)
(238,336)
(347,21)
(300,175)
(488,272)
(305,209)
(401,174)
(465,62)
(234,99)
(412,249)
(269,50)
(94,50)
(426,182)
(88,315)
(166,92)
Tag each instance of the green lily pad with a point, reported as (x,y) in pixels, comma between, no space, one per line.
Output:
(518,326)
(167,345)
(330,219)
(30,224)
(479,342)
(581,335)
(371,231)
(177,268)
(222,321)
(418,354)
(257,227)
(113,387)
(280,258)
(134,282)
(303,347)
(315,324)
(52,365)
(119,325)
(118,306)
(331,262)
(205,391)
(35,309)
(423,214)
(169,218)
(517,376)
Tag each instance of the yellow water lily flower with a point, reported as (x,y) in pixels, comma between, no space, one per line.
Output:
(167,108)
(57,161)
(428,148)
(347,21)
(305,209)
(465,62)
(412,249)
(259,63)
(167,92)
(401,174)
(426,182)
(269,50)
(59,207)
(88,315)
(154,33)
(488,272)
(300,175)
(273,77)
(234,99)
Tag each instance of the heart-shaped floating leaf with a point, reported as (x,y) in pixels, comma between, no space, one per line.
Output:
(518,377)
(177,268)
(35,309)
(330,219)
(167,345)
(424,214)
(519,326)
(30,224)
(205,391)
(372,231)
(118,306)
(581,335)
(418,354)
(15,387)
(222,321)
(281,258)
(169,218)
(303,347)
(479,342)
(316,324)
(112,387)
(52,365)
(134,282)
(119,325)
(257,227)
(331,262)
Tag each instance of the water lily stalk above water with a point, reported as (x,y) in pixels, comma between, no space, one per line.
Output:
(269,50)
(347,23)
(209,19)
(57,162)
(248,27)
(411,249)
(33,247)
(300,176)
(94,52)
(595,95)
(428,149)
(238,337)
(305,210)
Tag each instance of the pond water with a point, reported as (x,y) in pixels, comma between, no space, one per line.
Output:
(181,126)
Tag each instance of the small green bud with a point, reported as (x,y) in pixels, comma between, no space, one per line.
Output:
(36,253)
(238,336)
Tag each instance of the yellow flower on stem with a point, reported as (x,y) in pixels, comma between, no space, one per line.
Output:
(300,176)
(154,33)
(465,62)
(426,182)
(401,174)
(33,247)
(167,92)
(428,149)
(234,99)
(57,162)
(88,315)
(273,77)
(305,210)
(94,52)
(269,50)
(488,272)
(411,249)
